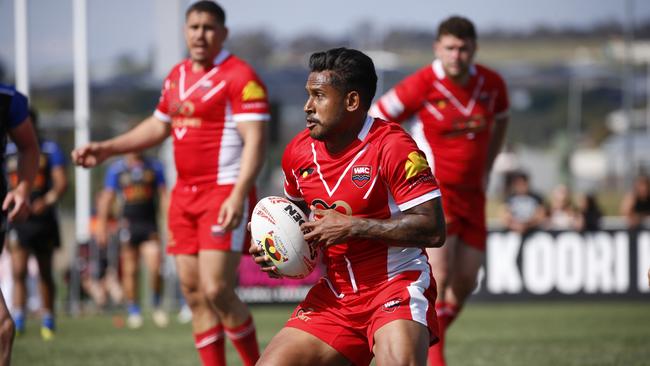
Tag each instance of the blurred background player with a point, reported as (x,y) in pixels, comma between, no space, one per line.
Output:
(377,299)
(636,203)
(137,180)
(15,122)
(216,108)
(39,234)
(461,115)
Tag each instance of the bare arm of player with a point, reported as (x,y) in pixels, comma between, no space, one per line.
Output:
(147,133)
(104,204)
(496,143)
(254,135)
(59,186)
(18,199)
(420,226)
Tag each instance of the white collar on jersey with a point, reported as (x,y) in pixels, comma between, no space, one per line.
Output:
(440,71)
(366,128)
(221,57)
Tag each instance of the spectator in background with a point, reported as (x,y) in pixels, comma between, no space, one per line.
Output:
(137,180)
(523,210)
(589,213)
(15,122)
(39,234)
(636,204)
(562,213)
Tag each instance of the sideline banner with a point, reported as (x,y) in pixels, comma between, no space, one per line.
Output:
(565,264)
(542,265)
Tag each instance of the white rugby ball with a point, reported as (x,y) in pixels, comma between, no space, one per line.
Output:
(275,227)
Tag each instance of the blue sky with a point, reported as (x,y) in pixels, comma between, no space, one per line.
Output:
(127,26)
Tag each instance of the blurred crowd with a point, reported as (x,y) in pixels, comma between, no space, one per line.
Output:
(524,209)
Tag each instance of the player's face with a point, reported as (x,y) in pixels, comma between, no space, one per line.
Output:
(204,37)
(324,108)
(456,55)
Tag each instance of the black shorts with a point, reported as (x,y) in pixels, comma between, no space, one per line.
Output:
(38,236)
(137,232)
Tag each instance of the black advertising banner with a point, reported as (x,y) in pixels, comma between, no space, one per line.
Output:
(554,265)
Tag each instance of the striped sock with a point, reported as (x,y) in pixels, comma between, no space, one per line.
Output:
(210,345)
(244,339)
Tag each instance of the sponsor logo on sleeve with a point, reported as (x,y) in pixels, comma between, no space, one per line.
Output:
(252,91)
(415,164)
(361,175)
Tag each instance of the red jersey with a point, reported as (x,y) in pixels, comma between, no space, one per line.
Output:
(204,108)
(453,123)
(377,176)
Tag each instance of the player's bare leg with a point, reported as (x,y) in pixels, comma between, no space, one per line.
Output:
(218,276)
(468,261)
(401,342)
(463,262)
(47,291)
(129,258)
(151,253)
(294,347)
(442,262)
(206,326)
(19,257)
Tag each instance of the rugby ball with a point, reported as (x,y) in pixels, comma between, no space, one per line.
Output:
(275,227)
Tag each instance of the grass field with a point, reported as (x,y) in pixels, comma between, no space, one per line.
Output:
(605,333)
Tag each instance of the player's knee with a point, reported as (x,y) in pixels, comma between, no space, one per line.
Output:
(7,328)
(218,293)
(395,357)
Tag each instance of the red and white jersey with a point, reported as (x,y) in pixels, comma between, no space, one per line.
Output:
(452,123)
(204,108)
(377,176)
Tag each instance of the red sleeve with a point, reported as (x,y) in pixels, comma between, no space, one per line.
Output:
(405,99)
(248,97)
(406,171)
(291,187)
(162,109)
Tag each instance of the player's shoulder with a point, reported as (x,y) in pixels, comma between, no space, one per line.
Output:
(238,67)
(383,131)
(175,71)
(488,73)
(299,146)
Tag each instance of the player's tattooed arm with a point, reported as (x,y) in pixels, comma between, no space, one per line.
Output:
(420,226)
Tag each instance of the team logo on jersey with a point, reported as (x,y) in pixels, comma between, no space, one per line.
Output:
(441,104)
(415,164)
(361,175)
(304,172)
(252,91)
(391,305)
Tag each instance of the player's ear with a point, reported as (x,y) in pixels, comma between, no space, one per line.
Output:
(352,101)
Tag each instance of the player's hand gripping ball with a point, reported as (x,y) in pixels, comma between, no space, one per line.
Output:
(275,227)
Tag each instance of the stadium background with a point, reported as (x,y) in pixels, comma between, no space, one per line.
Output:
(579,80)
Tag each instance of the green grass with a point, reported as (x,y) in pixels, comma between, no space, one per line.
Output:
(589,333)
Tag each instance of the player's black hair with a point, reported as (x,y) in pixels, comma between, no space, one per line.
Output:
(209,7)
(350,70)
(457,26)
